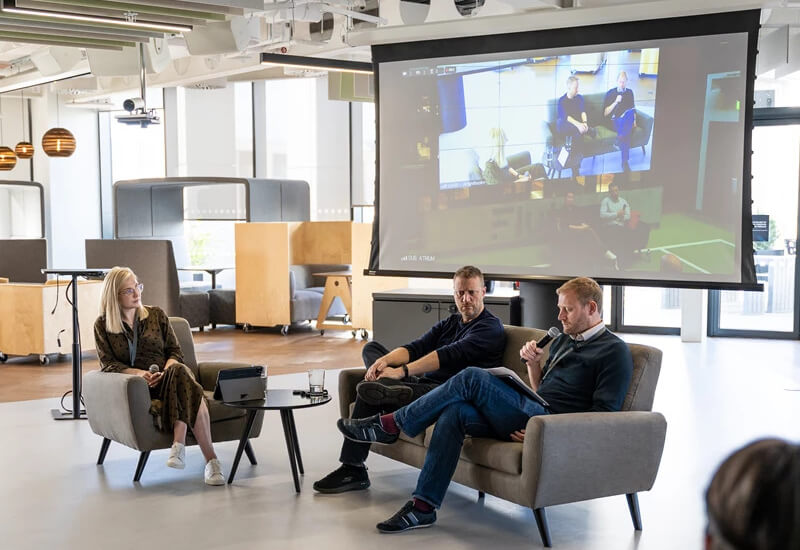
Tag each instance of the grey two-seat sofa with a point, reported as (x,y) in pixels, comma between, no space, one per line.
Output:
(565,457)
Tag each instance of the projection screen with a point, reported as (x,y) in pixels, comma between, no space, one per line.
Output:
(618,151)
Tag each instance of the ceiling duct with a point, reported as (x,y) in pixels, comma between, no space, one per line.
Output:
(319,31)
(229,36)
(213,84)
(126,62)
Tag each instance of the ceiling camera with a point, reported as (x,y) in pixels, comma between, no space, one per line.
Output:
(133,104)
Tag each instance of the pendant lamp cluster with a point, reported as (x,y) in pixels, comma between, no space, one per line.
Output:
(56,142)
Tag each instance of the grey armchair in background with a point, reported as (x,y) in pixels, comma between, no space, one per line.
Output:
(305,291)
(565,457)
(118,406)
(153,261)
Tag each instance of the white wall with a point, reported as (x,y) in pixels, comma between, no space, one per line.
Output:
(333,157)
(72,184)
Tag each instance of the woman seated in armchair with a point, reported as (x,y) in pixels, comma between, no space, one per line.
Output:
(132,338)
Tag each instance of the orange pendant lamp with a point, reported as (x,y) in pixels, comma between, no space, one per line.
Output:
(58,142)
(8,159)
(24,149)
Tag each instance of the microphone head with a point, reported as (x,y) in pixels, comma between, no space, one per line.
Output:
(553,332)
(154,368)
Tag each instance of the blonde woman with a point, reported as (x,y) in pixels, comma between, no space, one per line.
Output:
(130,337)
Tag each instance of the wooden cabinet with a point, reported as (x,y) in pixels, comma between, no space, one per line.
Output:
(34,317)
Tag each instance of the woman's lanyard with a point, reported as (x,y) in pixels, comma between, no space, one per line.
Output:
(132,343)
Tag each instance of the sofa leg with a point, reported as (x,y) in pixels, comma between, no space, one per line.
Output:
(481,495)
(103,450)
(643,151)
(140,466)
(544,529)
(633,507)
(251,456)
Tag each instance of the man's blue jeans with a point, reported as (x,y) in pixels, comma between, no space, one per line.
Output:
(623,124)
(471,403)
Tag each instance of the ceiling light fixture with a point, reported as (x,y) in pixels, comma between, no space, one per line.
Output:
(316,63)
(23,149)
(44,80)
(130,24)
(58,142)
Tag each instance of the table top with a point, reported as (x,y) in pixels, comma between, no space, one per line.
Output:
(204,268)
(333,274)
(281,399)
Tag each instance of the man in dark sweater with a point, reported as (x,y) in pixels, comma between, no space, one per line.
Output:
(572,123)
(471,337)
(619,106)
(589,369)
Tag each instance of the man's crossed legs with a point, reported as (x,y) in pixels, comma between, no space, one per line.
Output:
(473,403)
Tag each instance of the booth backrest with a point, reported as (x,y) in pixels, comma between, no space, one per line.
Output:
(152,260)
(22,260)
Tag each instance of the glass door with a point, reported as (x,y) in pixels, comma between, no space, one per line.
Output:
(773,312)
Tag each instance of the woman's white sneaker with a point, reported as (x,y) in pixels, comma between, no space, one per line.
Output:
(177,456)
(214,473)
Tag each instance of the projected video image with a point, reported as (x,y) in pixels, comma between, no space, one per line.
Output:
(519,120)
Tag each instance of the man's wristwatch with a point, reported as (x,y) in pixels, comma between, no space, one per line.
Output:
(405,370)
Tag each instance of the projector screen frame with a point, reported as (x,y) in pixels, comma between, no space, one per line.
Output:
(744,21)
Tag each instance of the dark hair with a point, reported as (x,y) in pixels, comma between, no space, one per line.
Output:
(468,272)
(753,500)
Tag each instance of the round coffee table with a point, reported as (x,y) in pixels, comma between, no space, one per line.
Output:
(284,401)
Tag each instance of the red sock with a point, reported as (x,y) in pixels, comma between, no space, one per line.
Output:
(422,506)
(388,424)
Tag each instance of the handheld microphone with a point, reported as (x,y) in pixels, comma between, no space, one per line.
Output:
(154,369)
(546,339)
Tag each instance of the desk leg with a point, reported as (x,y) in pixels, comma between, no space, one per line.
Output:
(251,416)
(296,443)
(287,433)
(77,413)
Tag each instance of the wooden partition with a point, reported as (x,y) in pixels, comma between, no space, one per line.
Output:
(27,325)
(264,252)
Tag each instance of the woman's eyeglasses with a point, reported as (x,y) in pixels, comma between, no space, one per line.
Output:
(129,291)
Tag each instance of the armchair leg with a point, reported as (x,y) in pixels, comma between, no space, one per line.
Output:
(633,507)
(103,450)
(251,456)
(481,495)
(544,529)
(140,466)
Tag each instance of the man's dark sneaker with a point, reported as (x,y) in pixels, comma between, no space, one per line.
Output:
(365,430)
(407,518)
(342,479)
(381,393)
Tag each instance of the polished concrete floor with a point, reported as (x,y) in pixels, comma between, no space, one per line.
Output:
(716,396)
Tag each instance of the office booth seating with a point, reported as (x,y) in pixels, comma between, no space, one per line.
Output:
(118,406)
(565,457)
(153,261)
(22,260)
(306,290)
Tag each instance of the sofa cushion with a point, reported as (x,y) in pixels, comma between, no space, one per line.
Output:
(505,456)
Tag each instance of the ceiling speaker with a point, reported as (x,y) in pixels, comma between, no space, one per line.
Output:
(229,36)
(56,60)
(126,62)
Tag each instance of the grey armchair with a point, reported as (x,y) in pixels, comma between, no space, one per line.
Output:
(118,407)
(565,457)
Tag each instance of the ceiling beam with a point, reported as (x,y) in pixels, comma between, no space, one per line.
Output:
(120,8)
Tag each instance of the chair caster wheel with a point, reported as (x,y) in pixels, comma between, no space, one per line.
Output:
(322,332)
(353,332)
(246,327)
(346,319)
(364,333)
(285,330)
(3,357)
(44,360)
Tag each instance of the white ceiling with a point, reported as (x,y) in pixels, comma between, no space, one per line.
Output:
(229,48)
